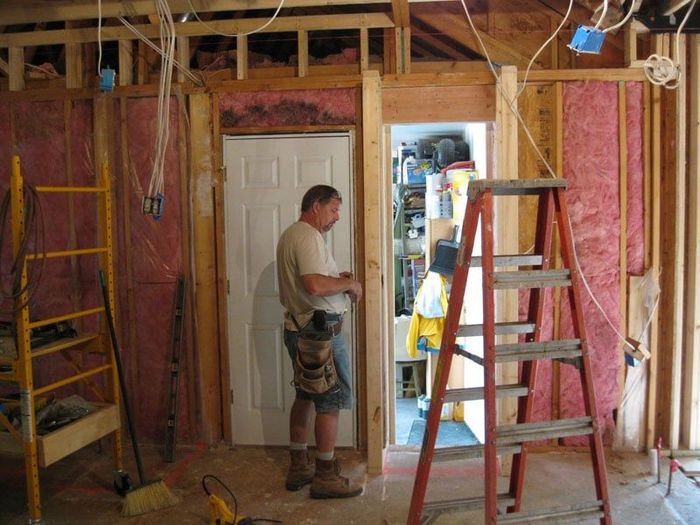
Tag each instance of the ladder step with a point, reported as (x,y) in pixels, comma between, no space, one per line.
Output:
(531,279)
(476,393)
(513,187)
(476,330)
(510,260)
(562,514)
(567,348)
(440,507)
(470,452)
(558,428)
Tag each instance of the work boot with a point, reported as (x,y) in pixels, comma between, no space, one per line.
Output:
(301,469)
(328,483)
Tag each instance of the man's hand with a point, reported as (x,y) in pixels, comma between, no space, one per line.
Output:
(355,288)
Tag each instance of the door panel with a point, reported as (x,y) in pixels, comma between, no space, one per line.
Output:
(266,178)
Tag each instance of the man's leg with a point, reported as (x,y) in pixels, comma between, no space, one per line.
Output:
(327,482)
(326,431)
(301,466)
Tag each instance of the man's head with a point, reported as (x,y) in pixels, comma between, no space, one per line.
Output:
(320,207)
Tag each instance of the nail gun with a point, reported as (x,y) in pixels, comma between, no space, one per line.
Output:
(219,511)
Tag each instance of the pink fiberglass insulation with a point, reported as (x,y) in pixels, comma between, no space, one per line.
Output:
(635,178)
(591,166)
(287,108)
(155,248)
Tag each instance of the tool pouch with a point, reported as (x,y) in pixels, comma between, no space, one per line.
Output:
(314,368)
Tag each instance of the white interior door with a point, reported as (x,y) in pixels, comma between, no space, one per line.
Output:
(267,177)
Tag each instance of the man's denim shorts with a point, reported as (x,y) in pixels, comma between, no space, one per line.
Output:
(339,397)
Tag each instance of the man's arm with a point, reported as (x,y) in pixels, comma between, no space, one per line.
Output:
(323,285)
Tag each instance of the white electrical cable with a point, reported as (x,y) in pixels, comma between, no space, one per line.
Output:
(532,60)
(158,50)
(624,20)
(602,15)
(235,34)
(515,111)
(663,71)
(167,38)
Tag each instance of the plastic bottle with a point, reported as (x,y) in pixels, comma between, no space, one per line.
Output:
(409,166)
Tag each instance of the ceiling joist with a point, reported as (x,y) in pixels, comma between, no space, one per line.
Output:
(187,29)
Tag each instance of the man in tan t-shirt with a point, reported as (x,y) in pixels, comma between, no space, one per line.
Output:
(309,282)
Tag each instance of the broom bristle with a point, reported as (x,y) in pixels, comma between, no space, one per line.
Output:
(150,497)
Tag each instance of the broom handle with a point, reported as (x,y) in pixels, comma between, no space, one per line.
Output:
(120,371)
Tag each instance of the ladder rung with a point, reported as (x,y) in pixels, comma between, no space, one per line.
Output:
(510,260)
(473,357)
(561,514)
(513,187)
(531,279)
(476,393)
(63,344)
(541,350)
(470,452)
(65,253)
(440,507)
(510,434)
(67,317)
(476,330)
(70,189)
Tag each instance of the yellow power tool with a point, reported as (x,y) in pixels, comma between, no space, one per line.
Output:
(219,511)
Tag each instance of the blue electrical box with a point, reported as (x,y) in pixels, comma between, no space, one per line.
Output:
(587,39)
(107,80)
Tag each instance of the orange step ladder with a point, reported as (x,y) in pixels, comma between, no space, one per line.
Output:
(534,273)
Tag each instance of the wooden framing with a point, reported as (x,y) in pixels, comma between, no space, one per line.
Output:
(691,360)
(208,350)
(16,68)
(622,134)
(655,227)
(506,231)
(188,29)
(373,287)
(679,242)
(241,57)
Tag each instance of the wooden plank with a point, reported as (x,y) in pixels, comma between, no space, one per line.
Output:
(4,67)
(221,283)
(373,297)
(74,436)
(182,51)
(16,66)
(203,179)
(390,293)
(126,62)
(364,49)
(506,233)
(556,244)
(400,13)
(446,104)
(32,11)
(679,241)
(242,57)
(655,248)
(630,44)
(389,48)
(691,394)
(188,29)
(671,6)
(302,53)
(74,61)
(606,75)
(622,188)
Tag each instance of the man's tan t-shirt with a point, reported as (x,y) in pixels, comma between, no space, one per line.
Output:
(302,250)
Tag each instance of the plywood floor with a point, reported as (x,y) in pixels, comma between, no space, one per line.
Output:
(78,489)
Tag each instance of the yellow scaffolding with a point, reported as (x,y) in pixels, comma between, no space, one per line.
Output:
(41,451)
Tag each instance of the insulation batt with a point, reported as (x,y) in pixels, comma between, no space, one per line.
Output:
(591,167)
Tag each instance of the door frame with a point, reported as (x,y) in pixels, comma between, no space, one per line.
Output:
(356,261)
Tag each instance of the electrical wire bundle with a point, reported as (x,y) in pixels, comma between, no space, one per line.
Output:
(33,235)
(153,200)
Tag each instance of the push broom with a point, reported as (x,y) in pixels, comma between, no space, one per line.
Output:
(149,496)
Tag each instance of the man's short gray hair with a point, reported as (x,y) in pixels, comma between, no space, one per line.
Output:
(320,193)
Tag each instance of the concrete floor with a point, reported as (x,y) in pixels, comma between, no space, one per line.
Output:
(78,489)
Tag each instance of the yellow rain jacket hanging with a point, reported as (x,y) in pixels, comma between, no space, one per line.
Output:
(429,312)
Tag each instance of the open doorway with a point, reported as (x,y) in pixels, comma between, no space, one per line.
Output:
(431,167)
